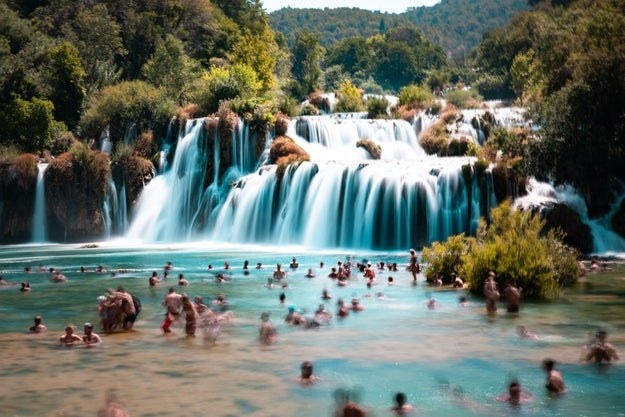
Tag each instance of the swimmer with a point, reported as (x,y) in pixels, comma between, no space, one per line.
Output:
(462,301)
(390,281)
(325,295)
(401,407)
(515,395)
(512,296)
(279,273)
(356,306)
(69,338)
(246,264)
(267,333)
(555,382)
(154,279)
(306,376)
(601,351)
(38,326)
(282,298)
(90,338)
(182,280)
(310,273)
(191,316)
(432,304)
(491,293)
(294,264)
(526,334)
(168,267)
(25,287)
(342,310)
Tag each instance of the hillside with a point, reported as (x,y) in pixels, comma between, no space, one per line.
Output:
(456,25)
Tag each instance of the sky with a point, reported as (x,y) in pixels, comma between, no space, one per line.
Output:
(391,6)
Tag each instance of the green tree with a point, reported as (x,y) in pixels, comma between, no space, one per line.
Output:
(65,76)
(349,98)
(171,69)
(97,36)
(29,124)
(307,54)
(122,104)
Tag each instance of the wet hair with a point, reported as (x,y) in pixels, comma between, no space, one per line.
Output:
(548,363)
(307,368)
(400,398)
(37,319)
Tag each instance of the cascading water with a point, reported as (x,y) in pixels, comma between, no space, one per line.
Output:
(40,224)
(342,198)
(604,239)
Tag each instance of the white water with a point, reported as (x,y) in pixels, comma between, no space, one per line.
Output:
(40,223)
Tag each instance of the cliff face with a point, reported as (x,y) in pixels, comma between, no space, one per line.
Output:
(76,184)
(18,181)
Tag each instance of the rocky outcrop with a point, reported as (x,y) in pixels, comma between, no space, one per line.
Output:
(283,152)
(18,181)
(76,184)
(577,234)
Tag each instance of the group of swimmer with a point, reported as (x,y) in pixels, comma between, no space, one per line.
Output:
(118,310)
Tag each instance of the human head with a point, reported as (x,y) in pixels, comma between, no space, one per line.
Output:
(37,319)
(514,390)
(88,327)
(548,364)
(400,399)
(307,369)
(601,335)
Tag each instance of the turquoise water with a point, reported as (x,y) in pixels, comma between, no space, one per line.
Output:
(395,344)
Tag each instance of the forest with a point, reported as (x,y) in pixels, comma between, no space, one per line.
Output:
(70,71)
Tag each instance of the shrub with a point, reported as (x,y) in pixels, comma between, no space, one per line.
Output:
(516,248)
(435,138)
(464,99)
(443,259)
(376,107)
(284,152)
(414,96)
(350,98)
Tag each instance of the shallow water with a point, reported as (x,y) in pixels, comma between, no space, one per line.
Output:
(396,344)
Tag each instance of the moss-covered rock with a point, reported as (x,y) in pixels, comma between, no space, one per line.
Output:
(370,146)
(18,181)
(76,185)
(283,152)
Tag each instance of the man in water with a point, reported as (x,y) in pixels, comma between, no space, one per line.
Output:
(70,338)
(491,293)
(306,376)
(555,382)
(515,395)
(90,338)
(512,295)
(601,351)
(401,406)
(267,333)
(38,326)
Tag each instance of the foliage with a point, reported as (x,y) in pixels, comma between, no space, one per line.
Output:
(306,54)
(65,77)
(414,96)
(435,138)
(349,98)
(376,107)
(514,246)
(221,84)
(443,259)
(29,124)
(97,36)
(171,69)
(464,98)
(456,25)
(124,103)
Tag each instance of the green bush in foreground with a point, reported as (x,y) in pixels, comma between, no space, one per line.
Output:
(514,246)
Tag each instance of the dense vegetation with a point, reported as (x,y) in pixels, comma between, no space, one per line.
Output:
(514,246)
(455,25)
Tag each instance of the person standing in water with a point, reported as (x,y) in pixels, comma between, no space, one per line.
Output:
(413,266)
(555,382)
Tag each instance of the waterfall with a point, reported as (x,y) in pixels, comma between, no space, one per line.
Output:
(40,223)
(604,239)
(340,199)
